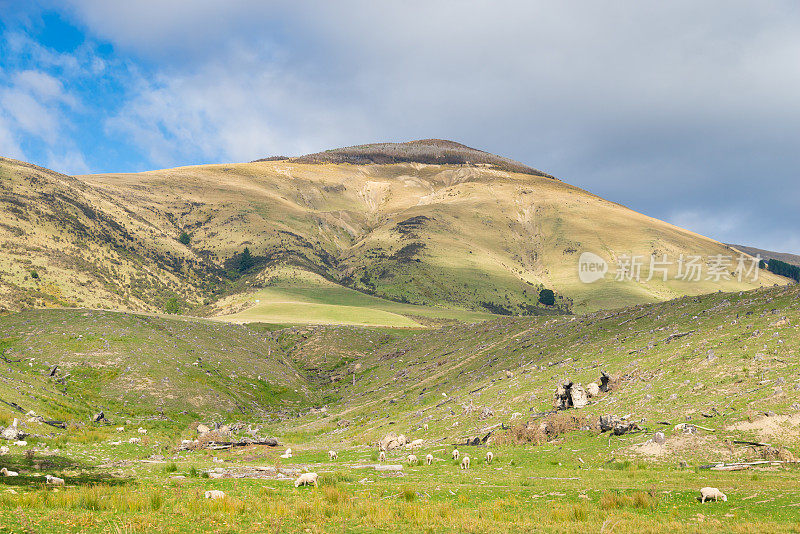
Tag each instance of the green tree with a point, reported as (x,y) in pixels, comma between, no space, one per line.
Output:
(184,238)
(246,260)
(547,297)
(172,306)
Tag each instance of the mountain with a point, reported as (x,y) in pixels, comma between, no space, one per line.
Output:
(375,234)
(792,259)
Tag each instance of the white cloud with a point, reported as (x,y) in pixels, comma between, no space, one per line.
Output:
(69,162)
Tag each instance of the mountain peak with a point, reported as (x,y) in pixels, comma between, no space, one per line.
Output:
(428,151)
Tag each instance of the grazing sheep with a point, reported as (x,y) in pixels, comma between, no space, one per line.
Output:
(54,480)
(712,494)
(6,473)
(4,450)
(415,444)
(120,429)
(429,459)
(465,463)
(287,454)
(20,443)
(214,494)
(456,454)
(333,455)
(412,459)
(382,457)
(142,430)
(489,457)
(306,479)
(135,440)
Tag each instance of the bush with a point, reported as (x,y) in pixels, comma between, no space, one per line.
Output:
(172,306)
(34,275)
(184,238)
(547,297)
(245,260)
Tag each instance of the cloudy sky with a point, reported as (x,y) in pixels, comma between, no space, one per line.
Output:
(685,110)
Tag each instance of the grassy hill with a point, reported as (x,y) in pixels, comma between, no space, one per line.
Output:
(726,363)
(462,239)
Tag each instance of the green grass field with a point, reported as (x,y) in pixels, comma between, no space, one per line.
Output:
(298,297)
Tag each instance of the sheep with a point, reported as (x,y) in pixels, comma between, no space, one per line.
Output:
(120,429)
(415,444)
(142,431)
(429,459)
(456,454)
(382,456)
(214,494)
(465,463)
(712,494)
(412,459)
(135,441)
(20,443)
(287,454)
(54,480)
(6,473)
(489,457)
(333,455)
(4,450)
(306,479)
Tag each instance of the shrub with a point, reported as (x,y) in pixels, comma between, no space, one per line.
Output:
(172,306)
(547,297)
(34,275)
(184,238)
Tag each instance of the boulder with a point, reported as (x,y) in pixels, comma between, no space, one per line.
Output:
(593,389)
(202,429)
(578,396)
(99,417)
(392,441)
(486,412)
(659,438)
(12,432)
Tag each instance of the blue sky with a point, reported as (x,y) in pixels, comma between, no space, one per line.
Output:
(686,111)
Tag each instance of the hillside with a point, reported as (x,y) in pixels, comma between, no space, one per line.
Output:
(792,259)
(711,382)
(69,364)
(395,244)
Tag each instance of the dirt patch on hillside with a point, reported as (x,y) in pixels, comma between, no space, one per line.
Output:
(770,426)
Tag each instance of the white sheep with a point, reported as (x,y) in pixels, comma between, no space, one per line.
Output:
(214,494)
(456,454)
(333,455)
(465,462)
(6,473)
(20,443)
(489,457)
(412,459)
(382,457)
(54,480)
(135,441)
(416,444)
(306,479)
(120,429)
(429,459)
(287,454)
(711,494)
(142,431)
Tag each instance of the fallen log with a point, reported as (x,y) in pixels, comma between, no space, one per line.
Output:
(222,445)
(754,443)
